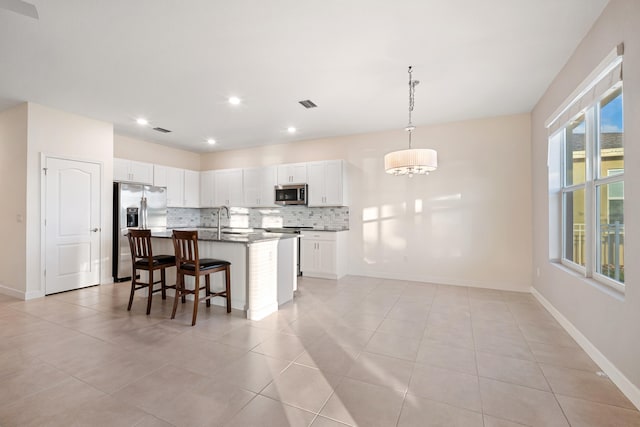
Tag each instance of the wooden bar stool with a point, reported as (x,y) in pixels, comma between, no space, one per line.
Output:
(188,263)
(142,258)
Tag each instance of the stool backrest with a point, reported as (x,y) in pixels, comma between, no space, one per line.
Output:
(185,244)
(140,244)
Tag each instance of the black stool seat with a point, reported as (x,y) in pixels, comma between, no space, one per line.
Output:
(205,264)
(158,260)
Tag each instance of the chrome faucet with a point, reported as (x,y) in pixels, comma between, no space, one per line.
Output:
(220,208)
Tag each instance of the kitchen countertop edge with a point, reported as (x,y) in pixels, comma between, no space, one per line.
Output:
(211,236)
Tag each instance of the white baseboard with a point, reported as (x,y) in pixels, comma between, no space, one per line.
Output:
(510,287)
(619,379)
(5,290)
(34,294)
(262,312)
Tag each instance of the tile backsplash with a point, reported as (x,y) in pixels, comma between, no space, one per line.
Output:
(300,216)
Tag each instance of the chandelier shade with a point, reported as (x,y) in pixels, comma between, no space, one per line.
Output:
(413,161)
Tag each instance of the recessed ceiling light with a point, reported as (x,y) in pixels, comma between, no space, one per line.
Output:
(211,141)
(291,129)
(142,121)
(234,100)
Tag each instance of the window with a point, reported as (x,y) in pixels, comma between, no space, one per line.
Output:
(592,189)
(586,176)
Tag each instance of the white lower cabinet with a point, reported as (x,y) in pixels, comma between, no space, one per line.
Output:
(323,254)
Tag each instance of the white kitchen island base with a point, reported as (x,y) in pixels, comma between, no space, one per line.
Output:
(263,271)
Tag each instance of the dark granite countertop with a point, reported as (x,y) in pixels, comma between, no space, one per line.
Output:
(302,229)
(211,234)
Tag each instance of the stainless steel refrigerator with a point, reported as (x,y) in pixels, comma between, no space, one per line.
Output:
(134,206)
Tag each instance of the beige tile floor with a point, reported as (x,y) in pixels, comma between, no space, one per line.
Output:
(358,351)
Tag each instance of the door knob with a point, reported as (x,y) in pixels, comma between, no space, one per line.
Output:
(95,230)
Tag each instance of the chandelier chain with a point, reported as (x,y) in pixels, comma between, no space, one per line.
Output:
(412,91)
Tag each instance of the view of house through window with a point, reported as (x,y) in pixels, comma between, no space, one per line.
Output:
(593,189)
(610,193)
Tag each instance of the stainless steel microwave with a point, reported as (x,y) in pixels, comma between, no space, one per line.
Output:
(294,194)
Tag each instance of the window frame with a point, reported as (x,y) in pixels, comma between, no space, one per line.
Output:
(592,185)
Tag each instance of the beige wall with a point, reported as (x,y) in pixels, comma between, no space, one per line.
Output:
(611,324)
(468,223)
(56,133)
(13,182)
(125,147)
(322,149)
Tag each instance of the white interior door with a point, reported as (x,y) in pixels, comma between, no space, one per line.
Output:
(72,224)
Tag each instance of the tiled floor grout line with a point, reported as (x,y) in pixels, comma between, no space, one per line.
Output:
(540,368)
(517,309)
(475,355)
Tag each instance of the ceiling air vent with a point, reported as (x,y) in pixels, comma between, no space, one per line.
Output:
(307,103)
(162,130)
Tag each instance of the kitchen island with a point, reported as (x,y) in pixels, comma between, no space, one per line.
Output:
(263,266)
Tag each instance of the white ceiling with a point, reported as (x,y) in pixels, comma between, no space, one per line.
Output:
(177,62)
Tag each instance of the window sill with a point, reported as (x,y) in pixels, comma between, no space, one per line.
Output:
(602,287)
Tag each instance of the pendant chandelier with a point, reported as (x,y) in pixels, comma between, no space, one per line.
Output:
(412,161)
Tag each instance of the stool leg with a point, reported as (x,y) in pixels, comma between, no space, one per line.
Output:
(179,278)
(227,276)
(196,297)
(207,281)
(163,280)
(133,288)
(150,291)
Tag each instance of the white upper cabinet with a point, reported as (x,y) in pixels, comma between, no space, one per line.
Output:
(207,189)
(175,187)
(258,186)
(191,189)
(183,186)
(327,183)
(120,170)
(132,171)
(250,187)
(228,186)
(293,173)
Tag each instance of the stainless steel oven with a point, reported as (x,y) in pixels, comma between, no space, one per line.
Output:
(294,194)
